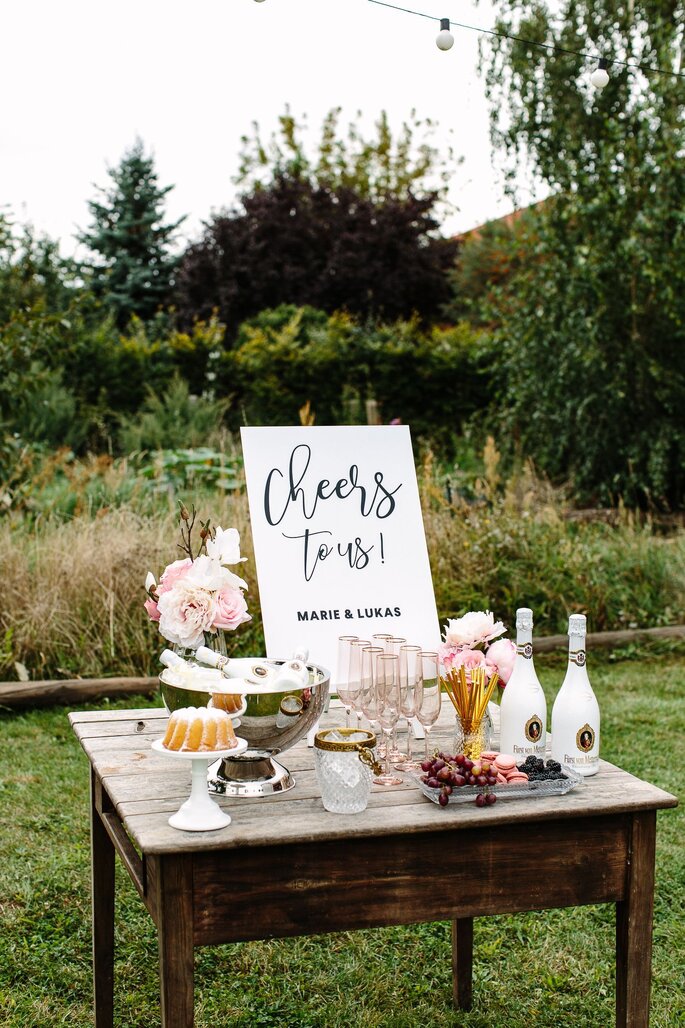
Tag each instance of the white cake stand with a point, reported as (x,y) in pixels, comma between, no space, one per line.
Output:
(199,813)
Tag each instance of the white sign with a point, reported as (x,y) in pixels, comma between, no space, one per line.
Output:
(338,536)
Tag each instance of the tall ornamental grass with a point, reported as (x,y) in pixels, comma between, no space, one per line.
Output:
(71,592)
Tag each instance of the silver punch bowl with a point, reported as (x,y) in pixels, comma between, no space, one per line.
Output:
(271,723)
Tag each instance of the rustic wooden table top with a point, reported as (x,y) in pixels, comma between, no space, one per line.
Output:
(146,788)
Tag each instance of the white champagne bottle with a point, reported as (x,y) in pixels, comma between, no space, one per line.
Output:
(575,715)
(523,710)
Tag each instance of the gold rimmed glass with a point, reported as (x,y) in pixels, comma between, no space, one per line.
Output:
(342,671)
(411,677)
(354,681)
(428,695)
(393,645)
(380,639)
(368,698)
(388,702)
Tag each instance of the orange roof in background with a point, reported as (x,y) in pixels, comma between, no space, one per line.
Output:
(507,220)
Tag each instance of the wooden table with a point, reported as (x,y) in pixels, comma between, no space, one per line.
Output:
(292,866)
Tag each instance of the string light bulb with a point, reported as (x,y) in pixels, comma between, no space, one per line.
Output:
(600,75)
(444,39)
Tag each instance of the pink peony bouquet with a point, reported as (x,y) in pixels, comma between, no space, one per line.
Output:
(198,595)
(473,641)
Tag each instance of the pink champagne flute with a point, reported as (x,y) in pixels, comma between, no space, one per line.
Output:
(388,700)
(428,694)
(394,645)
(354,681)
(342,672)
(411,675)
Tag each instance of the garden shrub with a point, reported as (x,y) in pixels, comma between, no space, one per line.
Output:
(172,418)
(433,379)
(287,357)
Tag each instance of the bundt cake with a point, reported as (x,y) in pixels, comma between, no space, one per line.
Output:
(228,701)
(199,729)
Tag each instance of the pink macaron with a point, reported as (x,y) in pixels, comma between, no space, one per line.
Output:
(520,776)
(504,762)
(490,755)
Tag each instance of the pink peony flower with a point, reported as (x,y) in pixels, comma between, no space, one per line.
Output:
(152,609)
(186,612)
(231,609)
(453,658)
(173,573)
(500,657)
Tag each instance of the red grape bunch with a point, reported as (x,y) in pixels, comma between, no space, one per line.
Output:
(447,773)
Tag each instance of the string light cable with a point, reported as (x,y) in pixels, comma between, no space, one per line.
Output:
(599,77)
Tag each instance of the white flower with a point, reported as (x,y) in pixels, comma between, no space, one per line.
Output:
(225,546)
(150,582)
(474,628)
(186,612)
(209,573)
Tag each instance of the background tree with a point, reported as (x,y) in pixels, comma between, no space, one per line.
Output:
(353,227)
(597,311)
(489,256)
(38,288)
(331,249)
(380,167)
(33,273)
(134,267)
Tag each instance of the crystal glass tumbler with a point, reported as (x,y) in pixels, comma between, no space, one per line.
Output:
(344,761)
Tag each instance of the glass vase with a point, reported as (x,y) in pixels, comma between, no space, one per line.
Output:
(473,739)
(213,640)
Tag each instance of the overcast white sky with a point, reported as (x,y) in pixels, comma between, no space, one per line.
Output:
(81,79)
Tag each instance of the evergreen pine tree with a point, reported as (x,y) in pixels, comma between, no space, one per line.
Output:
(135,268)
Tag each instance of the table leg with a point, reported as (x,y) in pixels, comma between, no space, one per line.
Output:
(634,927)
(462,962)
(102,891)
(175,931)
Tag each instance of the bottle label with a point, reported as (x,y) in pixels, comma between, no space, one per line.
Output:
(577,657)
(525,751)
(586,760)
(525,650)
(585,738)
(534,728)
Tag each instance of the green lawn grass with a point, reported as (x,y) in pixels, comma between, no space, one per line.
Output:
(539,969)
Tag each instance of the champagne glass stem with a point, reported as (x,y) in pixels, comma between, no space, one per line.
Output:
(347,716)
(388,747)
(426,731)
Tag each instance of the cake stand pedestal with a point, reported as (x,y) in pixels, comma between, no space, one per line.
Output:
(199,813)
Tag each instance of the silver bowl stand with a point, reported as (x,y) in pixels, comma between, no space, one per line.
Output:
(255,772)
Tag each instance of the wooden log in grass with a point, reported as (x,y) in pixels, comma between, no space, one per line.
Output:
(611,640)
(73,690)
(77,690)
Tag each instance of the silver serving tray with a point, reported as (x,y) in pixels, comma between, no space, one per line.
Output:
(518,790)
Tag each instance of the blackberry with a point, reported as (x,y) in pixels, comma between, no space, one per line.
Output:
(553,765)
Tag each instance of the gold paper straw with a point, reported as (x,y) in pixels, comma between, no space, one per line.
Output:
(470,703)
